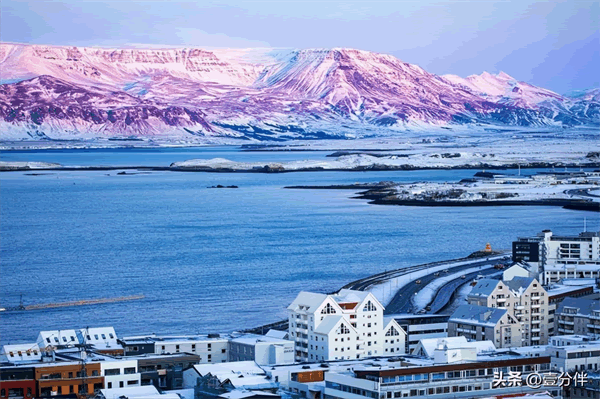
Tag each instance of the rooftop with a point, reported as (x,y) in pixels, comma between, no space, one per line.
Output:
(480,315)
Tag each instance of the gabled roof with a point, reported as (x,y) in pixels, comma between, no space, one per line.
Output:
(484,287)
(329,324)
(309,299)
(518,285)
(479,315)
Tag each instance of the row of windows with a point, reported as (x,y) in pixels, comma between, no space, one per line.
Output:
(89,338)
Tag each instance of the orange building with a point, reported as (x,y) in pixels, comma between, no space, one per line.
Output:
(63,379)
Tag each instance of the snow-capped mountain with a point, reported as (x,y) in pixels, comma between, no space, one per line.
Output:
(257,94)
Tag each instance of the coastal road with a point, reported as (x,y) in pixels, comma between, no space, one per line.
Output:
(402,301)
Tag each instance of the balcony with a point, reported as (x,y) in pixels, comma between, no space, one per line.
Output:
(519,307)
(501,299)
(535,330)
(567,322)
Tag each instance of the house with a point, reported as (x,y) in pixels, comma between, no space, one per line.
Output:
(217,379)
(426,348)
(262,349)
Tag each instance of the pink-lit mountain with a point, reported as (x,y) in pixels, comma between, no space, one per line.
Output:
(264,94)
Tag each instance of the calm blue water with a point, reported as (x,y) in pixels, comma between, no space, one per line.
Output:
(152,156)
(216,260)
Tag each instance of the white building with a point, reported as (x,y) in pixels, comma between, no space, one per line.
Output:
(20,353)
(120,373)
(234,375)
(572,358)
(557,257)
(427,348)
(210,348)
(346,325)
(103,339)
(264,350)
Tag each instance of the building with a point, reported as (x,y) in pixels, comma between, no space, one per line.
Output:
(584,356)
(210,348)
(216,379)
(346,325)
(578,316)
(426,348)
(481,323)
(20,353)
(164,371)
(525,299)
(264,350)
(120,373)
(558,292)
(147,392)
(64,378)
(101,339)
(419,327)
(17,382)
(467,378)
(557,257)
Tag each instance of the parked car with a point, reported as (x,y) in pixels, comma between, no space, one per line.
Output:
(418,282)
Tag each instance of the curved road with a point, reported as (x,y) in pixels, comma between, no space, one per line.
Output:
(402,301)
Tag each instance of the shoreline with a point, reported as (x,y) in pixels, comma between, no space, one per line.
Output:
(270,169)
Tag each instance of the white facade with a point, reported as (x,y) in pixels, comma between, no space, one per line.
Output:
(347,325)
(120,373)
(101,338)
(573,358)
(563,257)
(20,353)
(210,350)
(264,350)
(515,271)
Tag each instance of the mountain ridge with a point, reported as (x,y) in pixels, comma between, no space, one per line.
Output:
(260,94)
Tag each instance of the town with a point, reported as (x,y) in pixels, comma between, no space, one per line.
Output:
(524,323)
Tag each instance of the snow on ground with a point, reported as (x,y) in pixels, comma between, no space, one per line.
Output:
(385,291)
(427,293)
(30,165)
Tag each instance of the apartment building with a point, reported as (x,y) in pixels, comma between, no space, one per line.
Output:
(525,299)
(211,348)
(17,382)
(346,325)
(482,323)
(578,316)
(584,356)
(558,257)
(120,373)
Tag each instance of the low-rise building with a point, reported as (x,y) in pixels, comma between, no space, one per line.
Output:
(216,379)
(165,371)
(17,382)
(419,327)
(210,348)
(574,358)
(101,339)
(120,373)
(578,316)
(264,350)
(481,323)
(20,353)
(426,348)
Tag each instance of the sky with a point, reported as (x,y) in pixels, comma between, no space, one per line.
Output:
(552,44)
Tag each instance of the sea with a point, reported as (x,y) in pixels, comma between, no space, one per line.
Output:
(216,260)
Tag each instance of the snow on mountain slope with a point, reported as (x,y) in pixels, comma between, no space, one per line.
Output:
(255,94)
(503,88)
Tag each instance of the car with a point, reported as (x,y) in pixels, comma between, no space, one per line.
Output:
(463,276)
(446,271)
(418,282)
(436,274)
(428,308)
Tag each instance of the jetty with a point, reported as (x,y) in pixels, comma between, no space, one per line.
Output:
(82,302)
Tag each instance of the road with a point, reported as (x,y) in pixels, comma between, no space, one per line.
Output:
(402,301)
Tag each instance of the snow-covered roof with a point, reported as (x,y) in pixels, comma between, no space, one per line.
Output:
(310,300)
(584,306)
(278,334)
(329,324)
(426,347)
(350,296)
(100,337)
(21,353)
(242,393)
(245,374)
(479,315)
(253,339)
(484,287)
(142,392)
(519,284)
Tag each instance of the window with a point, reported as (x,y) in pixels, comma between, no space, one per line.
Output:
(121,385)
(193,347)
(64,339)
(132,382)
(103,336)
(328,309)
(129,370)
(369,307)
(48,340)
(111,335)
(96,336)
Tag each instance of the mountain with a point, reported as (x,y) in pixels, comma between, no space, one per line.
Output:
(191,94)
